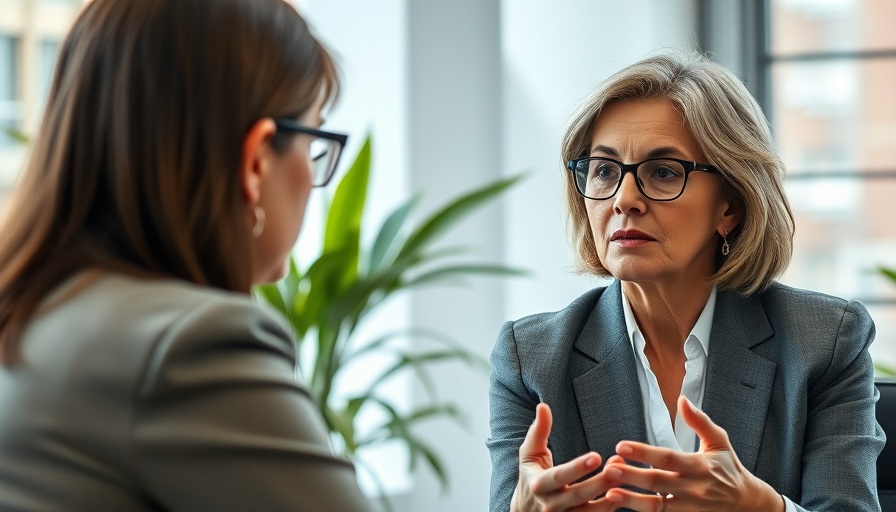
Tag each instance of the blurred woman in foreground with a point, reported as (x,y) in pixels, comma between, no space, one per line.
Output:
(171,171)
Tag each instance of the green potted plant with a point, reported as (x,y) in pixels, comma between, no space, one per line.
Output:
(326,303)
(884,370)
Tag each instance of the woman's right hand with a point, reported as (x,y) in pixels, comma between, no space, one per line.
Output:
(542,487)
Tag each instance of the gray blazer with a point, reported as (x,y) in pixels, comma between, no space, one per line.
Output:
(789,377)
(139,395)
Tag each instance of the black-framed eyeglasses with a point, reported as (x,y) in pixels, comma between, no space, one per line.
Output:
(326,148)
(658,179)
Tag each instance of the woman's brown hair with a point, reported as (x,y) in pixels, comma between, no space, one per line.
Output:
(136,163)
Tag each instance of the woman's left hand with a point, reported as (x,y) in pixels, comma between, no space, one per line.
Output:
(710,479)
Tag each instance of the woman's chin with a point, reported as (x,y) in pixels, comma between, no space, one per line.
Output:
(270,274)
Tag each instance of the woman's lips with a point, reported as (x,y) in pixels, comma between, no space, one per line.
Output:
(630,234)
(630,238)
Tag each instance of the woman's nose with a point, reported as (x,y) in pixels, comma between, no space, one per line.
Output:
(629,197)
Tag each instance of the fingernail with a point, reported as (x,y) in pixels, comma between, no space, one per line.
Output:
(614,473)
(624,449)
(591,462)
(614,497)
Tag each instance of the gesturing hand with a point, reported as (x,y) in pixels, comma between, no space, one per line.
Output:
(542,487)
(711,479)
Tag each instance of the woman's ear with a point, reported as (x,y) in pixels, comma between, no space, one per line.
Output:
(253,167)
(730,219)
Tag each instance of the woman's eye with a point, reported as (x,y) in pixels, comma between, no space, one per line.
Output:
(606,172)
(665,173)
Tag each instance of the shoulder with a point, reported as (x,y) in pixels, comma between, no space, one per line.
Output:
(783,295)
(150,324)
(572,317)
(544,335)
(810,310)
(190,326)
(815,331)
(163,307)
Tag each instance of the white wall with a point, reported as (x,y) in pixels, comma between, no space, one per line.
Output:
(554,54)
(459,93)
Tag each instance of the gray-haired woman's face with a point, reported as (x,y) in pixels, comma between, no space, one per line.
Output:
(641,240)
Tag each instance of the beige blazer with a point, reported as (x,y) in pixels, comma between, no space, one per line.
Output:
(139,395)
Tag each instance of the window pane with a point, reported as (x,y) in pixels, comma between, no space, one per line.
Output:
(844,232)
(47,64)
(832,25)
(834,121)
(10,110)
(835,115)
(7,68)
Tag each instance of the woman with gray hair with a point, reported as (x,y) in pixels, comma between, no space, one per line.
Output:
(694,381)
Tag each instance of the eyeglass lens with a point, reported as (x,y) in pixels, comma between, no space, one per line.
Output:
(324,153)
(658,179)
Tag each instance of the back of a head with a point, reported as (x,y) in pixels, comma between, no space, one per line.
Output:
(136,162)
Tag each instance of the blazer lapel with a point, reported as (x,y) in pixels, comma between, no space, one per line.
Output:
(738,381)
(606,381)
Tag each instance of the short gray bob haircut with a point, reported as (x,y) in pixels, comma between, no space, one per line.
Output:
(733,134)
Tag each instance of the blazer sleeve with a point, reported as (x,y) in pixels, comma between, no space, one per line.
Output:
(842,437)
(511,412)
(220,423)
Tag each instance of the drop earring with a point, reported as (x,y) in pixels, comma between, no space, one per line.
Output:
(725,247)
(258,229)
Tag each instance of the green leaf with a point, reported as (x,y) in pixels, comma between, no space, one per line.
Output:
(324,279)
(398,427)
(290,283)
(343,230)
(16,135)
(438,223)
(377,482)
(366,292)
(889,273)
(271,294)
(884,370)
(390,229)
(380,342)
(347,208)
(346,430)
(454,271)
(434,463)
(407,360)
(434,411)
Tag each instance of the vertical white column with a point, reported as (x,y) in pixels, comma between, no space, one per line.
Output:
(455,144)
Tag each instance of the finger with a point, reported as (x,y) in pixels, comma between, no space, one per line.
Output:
(535,446)
(656,480)
(572,492)
(623,498)
(713,438)
(568,474)
(615,459)
(655,456)
(599,505)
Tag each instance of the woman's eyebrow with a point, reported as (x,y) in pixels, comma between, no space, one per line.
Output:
(607,150)
(653,153)
(664,151)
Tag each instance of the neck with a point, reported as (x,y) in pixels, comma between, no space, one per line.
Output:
(666,313)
